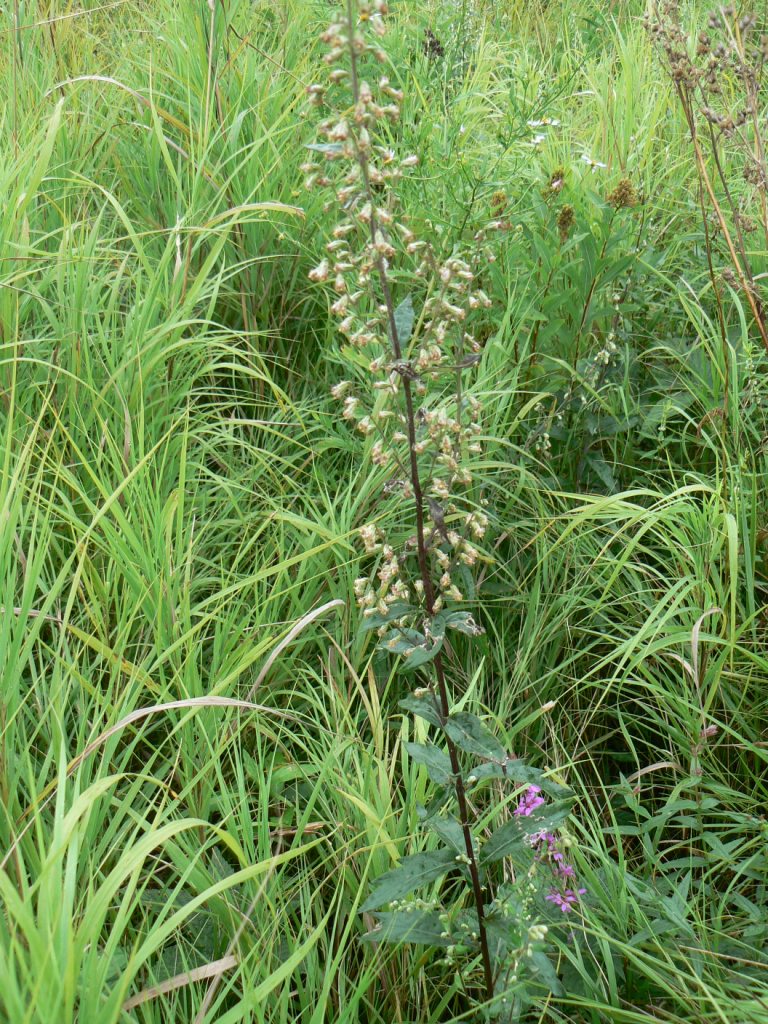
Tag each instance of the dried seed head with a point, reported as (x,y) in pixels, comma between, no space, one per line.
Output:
(566,218)
(623,195)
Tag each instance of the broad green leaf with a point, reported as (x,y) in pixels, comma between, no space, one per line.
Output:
(422,927)
(377,620)
(421,655)
(542,969)
(520,828)
(449,830)
(436,761)
(401,641)
(517,771)
(411,873)
(425,707)
(601,469)
(469,733)
(437,625)
(464,623)
(412,645)
(404,319)
(506,931)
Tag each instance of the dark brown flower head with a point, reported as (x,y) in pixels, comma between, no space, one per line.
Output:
(499,204)
(432,45)
(625,194)
(566,218)
(555,185)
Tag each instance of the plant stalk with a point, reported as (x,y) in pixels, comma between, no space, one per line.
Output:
(421,546)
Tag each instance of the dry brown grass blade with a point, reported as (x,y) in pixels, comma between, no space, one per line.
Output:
(211,970)
(291,635)
(246,918)
(695,661)
(69,16)
(109,80)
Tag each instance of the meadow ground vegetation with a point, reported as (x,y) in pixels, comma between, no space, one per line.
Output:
(383,512)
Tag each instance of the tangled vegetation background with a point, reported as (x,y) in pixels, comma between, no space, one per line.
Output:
(209,768)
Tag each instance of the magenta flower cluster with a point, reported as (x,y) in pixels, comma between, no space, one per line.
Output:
(529,801)
(565,900)
(546,846)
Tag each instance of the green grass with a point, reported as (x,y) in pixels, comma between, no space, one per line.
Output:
(177,492)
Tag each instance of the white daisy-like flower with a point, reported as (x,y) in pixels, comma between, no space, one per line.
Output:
(537,139)
(545,122)
(594,164)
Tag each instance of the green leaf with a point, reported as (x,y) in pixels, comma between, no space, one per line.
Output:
(377,620)
(518,771)
(423,927)
(421,655)
(404,320)
(437,624)
(543,971)
(603,471)
(449,830)
(464,623)
(518,830)
(402,640)
(506,930)
(425,707)
(437,762)
(467,578)
(411,873)
(469,733)
(414,647)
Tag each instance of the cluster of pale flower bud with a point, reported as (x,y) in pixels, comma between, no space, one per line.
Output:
(393,584)
(372,248)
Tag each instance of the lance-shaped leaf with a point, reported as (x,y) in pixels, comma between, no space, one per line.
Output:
(469,733)
(411,873)
(543,971)
(404,319)
(449,830)
(377,620)
(414,646)
(400,641)
(425,706)
(422,927)
(518,771)
(464,623)
(436,761)
(436,626)
(519,830)
(421,655)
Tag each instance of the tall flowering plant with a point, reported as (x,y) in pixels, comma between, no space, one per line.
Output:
(410,310)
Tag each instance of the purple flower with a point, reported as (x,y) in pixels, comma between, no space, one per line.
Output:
(565,900)
(529,801)
(543,838)
(560,867)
